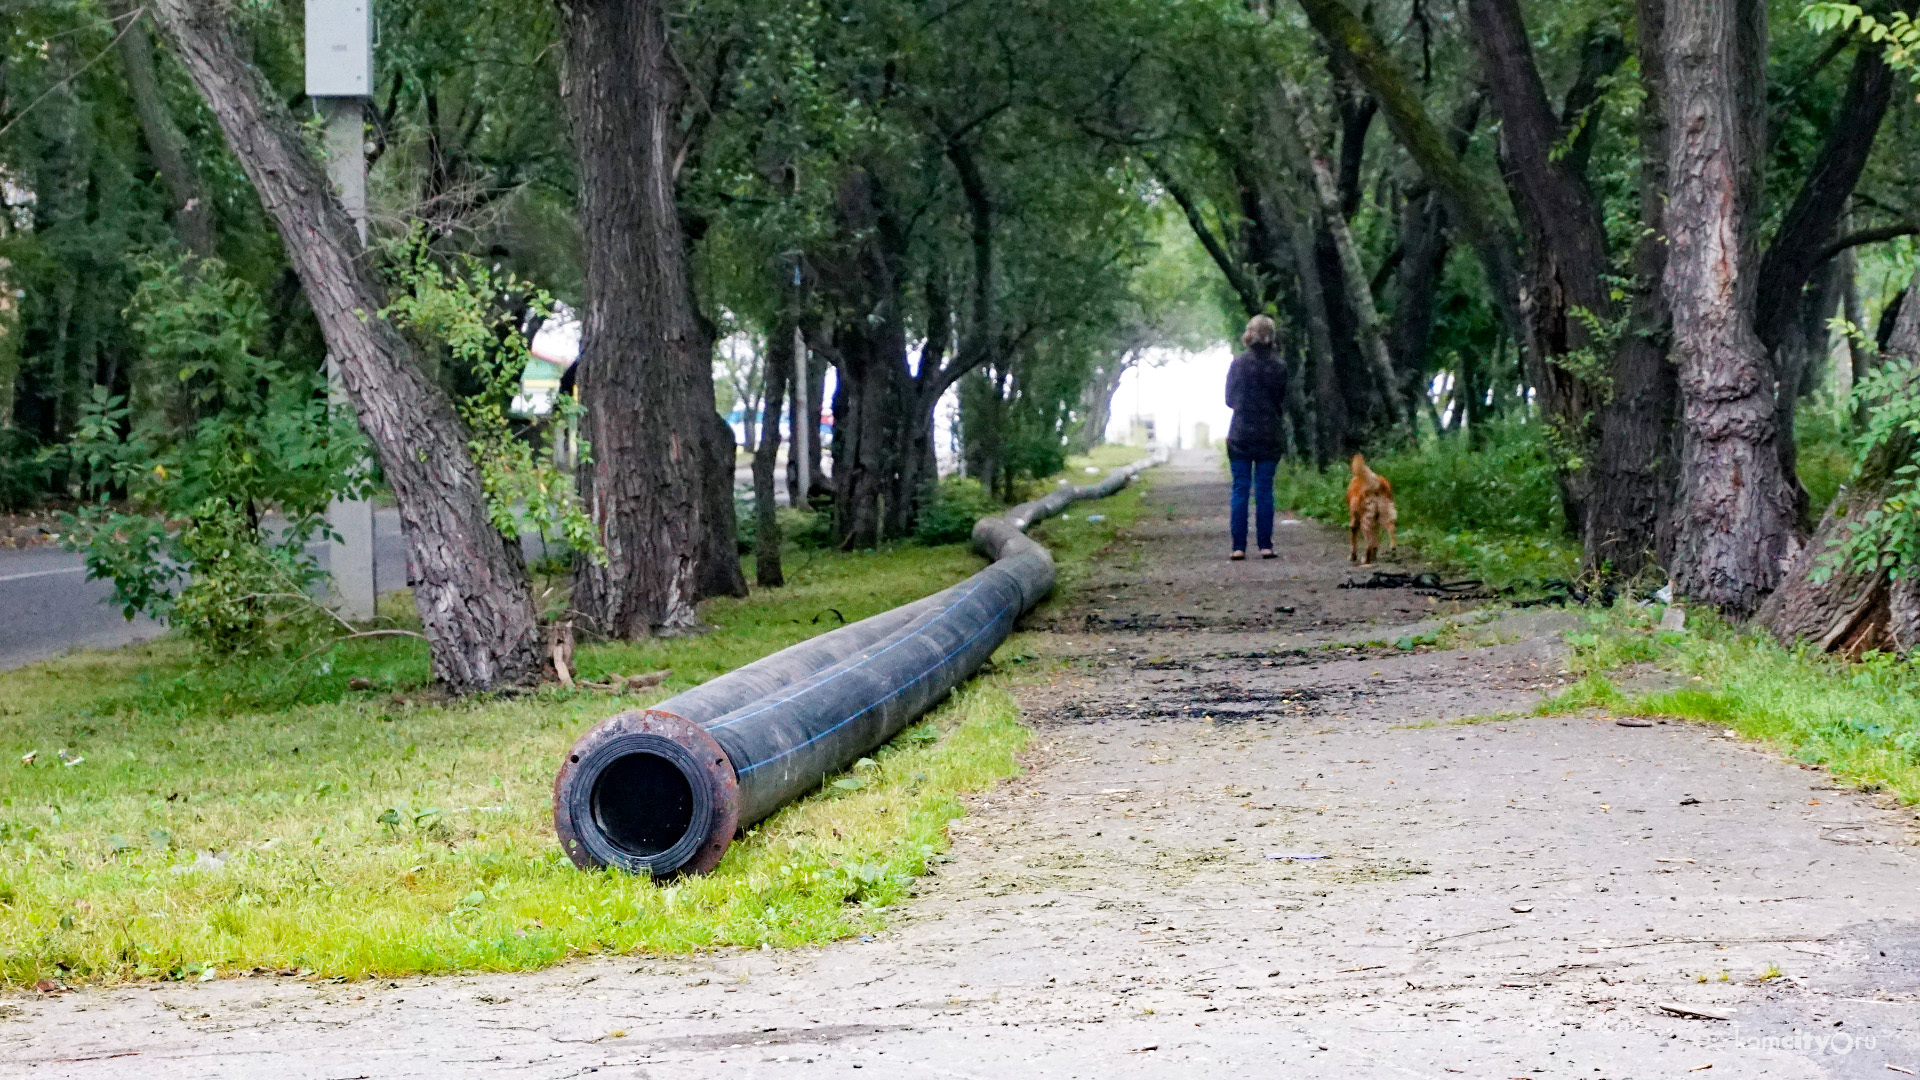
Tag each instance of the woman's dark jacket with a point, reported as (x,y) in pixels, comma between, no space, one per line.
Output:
(1257,394)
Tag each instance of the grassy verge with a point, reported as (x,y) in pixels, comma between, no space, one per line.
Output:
(341,819)
(1491,513)
(1861,721)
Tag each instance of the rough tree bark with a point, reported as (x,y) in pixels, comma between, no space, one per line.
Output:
(1635,461)
(646,376)
(717,571)
(1736,518)
(469,583)
(1854,610)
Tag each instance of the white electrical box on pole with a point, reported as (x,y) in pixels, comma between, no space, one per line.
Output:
(339,42)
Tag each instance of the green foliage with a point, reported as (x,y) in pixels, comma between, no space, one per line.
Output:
(1886,536)
(1824,454)
(472,312)
(22,471)
(176,516)
(1897,32)
(951,508)
(1493,512)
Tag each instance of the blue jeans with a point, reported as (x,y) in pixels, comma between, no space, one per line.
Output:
(1254,478)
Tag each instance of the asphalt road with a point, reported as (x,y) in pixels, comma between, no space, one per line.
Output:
(47,605)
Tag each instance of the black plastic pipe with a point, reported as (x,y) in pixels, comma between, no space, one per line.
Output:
(663,790)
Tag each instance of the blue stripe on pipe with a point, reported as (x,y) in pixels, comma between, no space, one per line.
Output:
(852,663)
(910,684)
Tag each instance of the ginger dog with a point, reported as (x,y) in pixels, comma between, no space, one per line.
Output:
(1369,509)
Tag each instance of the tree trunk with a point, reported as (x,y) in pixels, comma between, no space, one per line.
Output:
(646,376)
(1332,436)
(1357,109)
(869,345)
(1566,244)
(1628,522)
(1799,255)
(1097,401)
(469,583)
(1736,519)
(718,571)
(192,211)
(1423,241)
(766,522)
(1856,312)
(813,388)
(1372,340)
(1854,610)
(1800,244)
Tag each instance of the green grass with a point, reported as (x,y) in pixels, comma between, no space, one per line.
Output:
(1492,513)
(387,831)
(1861,721)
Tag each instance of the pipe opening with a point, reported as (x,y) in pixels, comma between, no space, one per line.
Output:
(642,803)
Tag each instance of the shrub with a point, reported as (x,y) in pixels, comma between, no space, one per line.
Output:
(951,508)
(23,475)
(1493,511)
(189,541)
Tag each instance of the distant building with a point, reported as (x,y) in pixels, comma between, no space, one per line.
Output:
(1141,432)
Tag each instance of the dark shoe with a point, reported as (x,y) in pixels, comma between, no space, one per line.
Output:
(1267,553)
(1237,556)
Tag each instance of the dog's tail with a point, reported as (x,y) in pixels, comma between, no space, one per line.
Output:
(1359,465)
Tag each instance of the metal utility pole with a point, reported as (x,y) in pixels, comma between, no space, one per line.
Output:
(340,79)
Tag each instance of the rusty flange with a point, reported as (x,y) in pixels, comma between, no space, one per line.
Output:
(646,792)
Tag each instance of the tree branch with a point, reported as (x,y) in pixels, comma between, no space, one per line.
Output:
(1234,272)
(1807,229)
(1868,236)
(1468,198)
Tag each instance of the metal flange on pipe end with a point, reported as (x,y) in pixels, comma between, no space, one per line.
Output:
(649,793)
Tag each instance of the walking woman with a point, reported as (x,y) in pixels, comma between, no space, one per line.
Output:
(1257,394)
